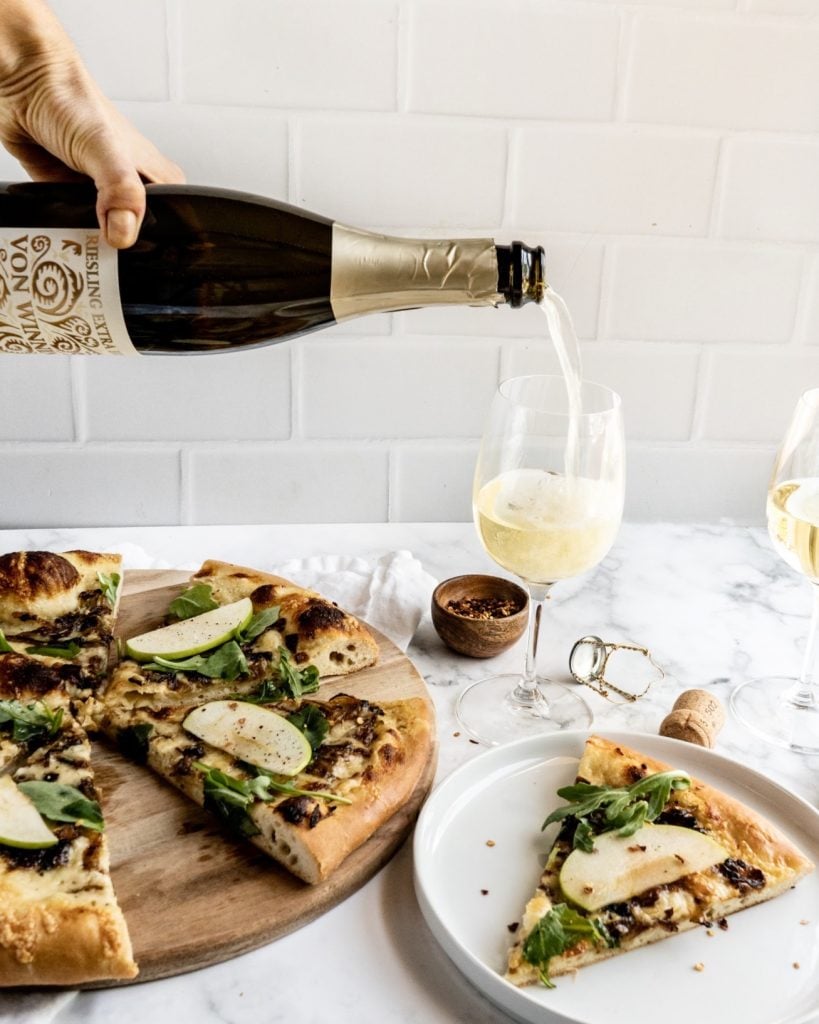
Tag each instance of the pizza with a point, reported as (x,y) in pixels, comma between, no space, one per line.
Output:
(366,761)
(359,761)
(60,610)
(301,631)
(60,923)
(643,852)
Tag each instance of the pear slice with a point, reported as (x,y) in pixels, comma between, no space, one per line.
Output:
(253,733)
(20,822)
(194,635)
(622,867)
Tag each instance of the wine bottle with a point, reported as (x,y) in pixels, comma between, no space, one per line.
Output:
(215,270)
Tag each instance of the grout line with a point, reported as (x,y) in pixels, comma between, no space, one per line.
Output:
(622,66)
(79,397)
(701,391)
(174,44)
(296,409)
(801,319)
(293,145)
(402,62)
(718,191)
(510,173)
(185,496)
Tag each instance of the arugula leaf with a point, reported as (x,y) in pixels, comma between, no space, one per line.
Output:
(30,721)
(558,931)
(230,797)
(64,803)
(258,624)
(193,601)
(133,741)
(5,646)
(312,723)
(110,586)
(297,681)
(68,650)
(623,809)
(226,662)
(292,682)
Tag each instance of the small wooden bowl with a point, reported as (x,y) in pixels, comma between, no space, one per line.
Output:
(479,638)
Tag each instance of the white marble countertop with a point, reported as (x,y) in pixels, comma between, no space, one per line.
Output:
(715,605)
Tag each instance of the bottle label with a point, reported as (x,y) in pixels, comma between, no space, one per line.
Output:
(59,293)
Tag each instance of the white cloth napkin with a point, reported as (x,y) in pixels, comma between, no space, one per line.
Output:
(391,595)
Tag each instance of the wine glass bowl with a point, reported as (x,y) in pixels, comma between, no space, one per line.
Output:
(547,501)
(782,709)
(458,603)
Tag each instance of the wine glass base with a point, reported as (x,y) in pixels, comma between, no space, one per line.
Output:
(490,713)
(765,706)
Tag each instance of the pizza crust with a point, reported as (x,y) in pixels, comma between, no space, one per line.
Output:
(313,854)
(316,632)
(743,832)
(57,942)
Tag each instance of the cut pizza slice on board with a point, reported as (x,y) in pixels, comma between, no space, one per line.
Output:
(60,923)
(643,852)
(59,610)
(293,639)
(365,761)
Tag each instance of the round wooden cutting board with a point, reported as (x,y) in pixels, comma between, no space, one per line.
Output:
(193,895)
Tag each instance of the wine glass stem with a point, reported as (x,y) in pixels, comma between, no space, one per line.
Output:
(806,692)
(527,691)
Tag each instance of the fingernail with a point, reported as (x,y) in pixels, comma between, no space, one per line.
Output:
(121,228)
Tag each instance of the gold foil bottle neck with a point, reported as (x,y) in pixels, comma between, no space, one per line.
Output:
(378,273)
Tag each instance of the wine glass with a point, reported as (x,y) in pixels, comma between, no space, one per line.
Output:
(547,501)
(781,709)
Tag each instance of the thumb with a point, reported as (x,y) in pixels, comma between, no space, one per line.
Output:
(120,195)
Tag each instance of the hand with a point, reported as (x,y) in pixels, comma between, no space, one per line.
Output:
(55,120)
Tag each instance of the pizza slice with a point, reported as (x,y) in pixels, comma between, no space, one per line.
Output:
(361,763)
(289,639)
(643,852)
(60,923)
(60,610)
(314,630)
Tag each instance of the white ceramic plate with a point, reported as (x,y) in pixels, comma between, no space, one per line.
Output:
(503,796)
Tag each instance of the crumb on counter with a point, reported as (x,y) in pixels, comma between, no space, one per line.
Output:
(484,892)
(456,734)
(796,965)
(490,842)
(699,966)
(804,921)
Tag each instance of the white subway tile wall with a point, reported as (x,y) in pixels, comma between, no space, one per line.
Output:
(664,152)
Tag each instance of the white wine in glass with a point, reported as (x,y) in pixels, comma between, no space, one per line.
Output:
(547,500)
(781,709)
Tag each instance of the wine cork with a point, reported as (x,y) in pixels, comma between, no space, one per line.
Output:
(697,717)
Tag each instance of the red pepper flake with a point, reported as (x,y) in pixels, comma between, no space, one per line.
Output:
(484,892)
(513,927)
(485,607)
